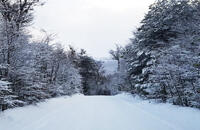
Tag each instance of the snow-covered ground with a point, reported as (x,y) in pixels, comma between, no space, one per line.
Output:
(120,112)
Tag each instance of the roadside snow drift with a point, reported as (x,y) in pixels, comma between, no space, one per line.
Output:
(120,112)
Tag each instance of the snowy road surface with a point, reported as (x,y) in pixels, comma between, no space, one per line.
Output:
(120,112)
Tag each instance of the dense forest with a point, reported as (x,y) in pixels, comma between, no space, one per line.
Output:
(161,62)
(33,71)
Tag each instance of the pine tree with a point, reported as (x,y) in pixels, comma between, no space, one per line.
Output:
(163,58)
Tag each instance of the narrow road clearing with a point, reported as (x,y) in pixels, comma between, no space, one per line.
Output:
(120,112)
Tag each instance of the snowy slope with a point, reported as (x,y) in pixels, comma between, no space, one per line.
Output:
(120,112)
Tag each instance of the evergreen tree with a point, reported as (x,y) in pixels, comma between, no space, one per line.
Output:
(163,58)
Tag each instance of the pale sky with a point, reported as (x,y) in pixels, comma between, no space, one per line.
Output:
(94,25)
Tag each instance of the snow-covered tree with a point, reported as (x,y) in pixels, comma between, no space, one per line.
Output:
(117,55)
(163,58)
(7,97)
(34,70)
(92,74)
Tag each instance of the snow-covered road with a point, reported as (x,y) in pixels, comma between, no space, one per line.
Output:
(120,112)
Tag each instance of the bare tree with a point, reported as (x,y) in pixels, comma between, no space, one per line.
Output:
(15,15)
(116,55)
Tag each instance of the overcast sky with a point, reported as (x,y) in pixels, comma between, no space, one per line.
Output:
(95,25)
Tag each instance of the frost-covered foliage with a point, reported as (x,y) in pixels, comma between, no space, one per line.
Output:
(31,71)
(118,81)
(7,97)
(37,70)
(163,59)
(92,73)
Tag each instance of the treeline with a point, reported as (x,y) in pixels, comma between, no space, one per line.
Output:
(162,61)
(33,71)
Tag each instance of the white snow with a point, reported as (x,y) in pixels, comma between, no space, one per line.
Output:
(4,83)
(121,112)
